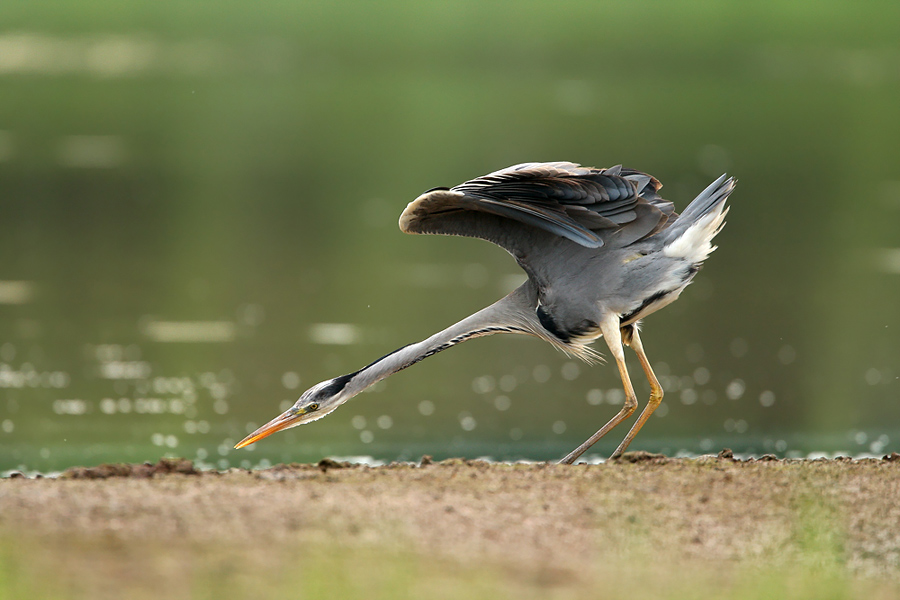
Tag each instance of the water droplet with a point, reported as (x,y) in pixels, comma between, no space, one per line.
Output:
(735,389)
(502,403)
(335,333)
(385,422)
(541,373)
(290,380)
(701,375)
(515,433)
(595,397)
(878,446)
(615,396)
(426,407)
(688,396)
(661,410)
(8,426)
(873,376)
(59,379)
(483,384)
(108,352)
(670,383)
(467,421)
(366,436)
(358,422)
(508,383)
(787,354)
(570,371)
(70,406)
(767,398)
(218,391)
(559,427)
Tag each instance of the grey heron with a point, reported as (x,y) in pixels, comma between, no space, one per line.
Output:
(600,248)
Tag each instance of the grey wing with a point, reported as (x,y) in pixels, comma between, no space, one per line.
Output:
(585,205)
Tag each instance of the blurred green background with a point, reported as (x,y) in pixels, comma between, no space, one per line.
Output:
(198,207)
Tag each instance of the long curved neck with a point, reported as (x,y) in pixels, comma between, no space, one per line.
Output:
(507,315)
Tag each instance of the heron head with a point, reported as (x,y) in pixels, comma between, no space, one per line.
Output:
(313,404)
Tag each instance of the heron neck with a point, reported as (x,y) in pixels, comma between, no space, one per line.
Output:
(504,316)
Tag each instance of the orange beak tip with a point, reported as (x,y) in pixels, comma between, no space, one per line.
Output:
(283,421)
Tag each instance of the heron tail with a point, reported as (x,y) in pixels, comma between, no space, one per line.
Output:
(691,235)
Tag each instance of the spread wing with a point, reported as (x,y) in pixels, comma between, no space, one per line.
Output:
(585,205)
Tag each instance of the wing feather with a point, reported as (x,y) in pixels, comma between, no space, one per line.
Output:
(584,205)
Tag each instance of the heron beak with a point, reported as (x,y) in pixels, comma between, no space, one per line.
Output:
(287,419)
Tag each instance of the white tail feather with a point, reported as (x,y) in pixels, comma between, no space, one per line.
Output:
(695,244)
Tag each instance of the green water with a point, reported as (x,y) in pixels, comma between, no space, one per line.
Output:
(198,213)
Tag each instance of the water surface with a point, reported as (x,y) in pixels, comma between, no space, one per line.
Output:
(198,221)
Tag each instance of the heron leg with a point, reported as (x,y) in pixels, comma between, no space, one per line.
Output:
(656,391)
(614,339)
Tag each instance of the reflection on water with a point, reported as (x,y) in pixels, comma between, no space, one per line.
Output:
(342,334)
(190,331)
(109,56)
(16,292)
(194,228)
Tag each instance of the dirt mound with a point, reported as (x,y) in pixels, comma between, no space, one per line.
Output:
(146,470)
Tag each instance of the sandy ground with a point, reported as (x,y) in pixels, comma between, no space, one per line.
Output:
(548,520)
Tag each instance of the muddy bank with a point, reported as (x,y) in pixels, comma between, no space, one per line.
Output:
(541,516)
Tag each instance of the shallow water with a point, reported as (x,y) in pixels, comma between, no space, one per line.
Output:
(198,221)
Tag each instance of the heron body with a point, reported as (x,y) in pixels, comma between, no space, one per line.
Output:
(601,249)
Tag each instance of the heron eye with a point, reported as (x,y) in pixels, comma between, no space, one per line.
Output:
(313,406)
